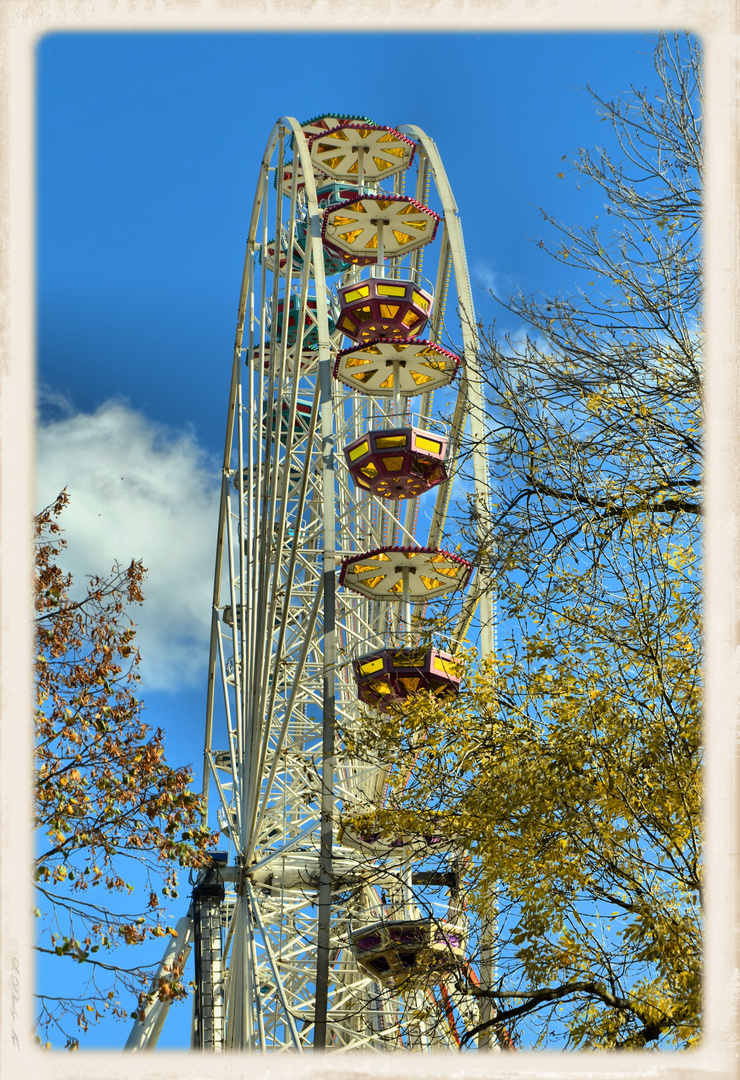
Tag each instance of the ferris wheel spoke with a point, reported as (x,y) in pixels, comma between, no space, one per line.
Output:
(233,732)
(286,578)
(280,990)
(310,627)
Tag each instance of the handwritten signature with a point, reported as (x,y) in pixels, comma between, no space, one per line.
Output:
(15,997)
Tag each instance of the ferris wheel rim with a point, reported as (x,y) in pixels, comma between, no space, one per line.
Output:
(280,503)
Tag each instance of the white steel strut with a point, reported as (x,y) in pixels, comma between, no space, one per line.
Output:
(282,975)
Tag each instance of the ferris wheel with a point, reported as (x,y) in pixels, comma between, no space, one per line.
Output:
(348,401)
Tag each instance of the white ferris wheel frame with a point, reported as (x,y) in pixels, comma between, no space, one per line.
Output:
(282,640)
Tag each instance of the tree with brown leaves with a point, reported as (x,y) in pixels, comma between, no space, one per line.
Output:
(109,808)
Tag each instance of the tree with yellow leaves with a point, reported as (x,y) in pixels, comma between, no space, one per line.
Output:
(569,766)
(108,806)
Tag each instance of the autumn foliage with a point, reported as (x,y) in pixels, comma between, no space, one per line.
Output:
(570,764)
(109,808)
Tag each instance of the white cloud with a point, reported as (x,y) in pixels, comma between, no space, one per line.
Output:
(483,276)
(139,490)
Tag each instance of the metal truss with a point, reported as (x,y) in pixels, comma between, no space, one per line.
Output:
(275,968)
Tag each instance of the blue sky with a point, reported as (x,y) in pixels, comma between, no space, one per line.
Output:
(148,148)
